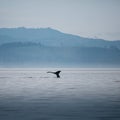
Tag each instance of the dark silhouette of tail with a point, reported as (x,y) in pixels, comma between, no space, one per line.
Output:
(57,73)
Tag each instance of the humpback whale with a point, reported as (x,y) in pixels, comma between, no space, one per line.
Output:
(56,73)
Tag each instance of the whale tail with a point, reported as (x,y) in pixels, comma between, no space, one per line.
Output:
(57,73)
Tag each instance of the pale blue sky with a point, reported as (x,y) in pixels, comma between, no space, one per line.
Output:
(90,18)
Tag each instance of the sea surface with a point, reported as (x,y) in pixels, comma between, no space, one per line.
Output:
(80,94)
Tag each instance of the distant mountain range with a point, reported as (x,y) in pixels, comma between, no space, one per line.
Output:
(44,47)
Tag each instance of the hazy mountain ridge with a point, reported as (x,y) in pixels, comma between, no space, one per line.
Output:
(49,47)
(50,37)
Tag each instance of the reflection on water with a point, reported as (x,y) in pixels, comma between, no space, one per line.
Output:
(78,95)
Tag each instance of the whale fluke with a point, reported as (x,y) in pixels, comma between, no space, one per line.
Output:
(57,73)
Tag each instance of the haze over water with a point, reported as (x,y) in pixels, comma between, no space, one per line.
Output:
(80,94)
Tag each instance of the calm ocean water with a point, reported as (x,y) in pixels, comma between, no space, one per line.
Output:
(80,94)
